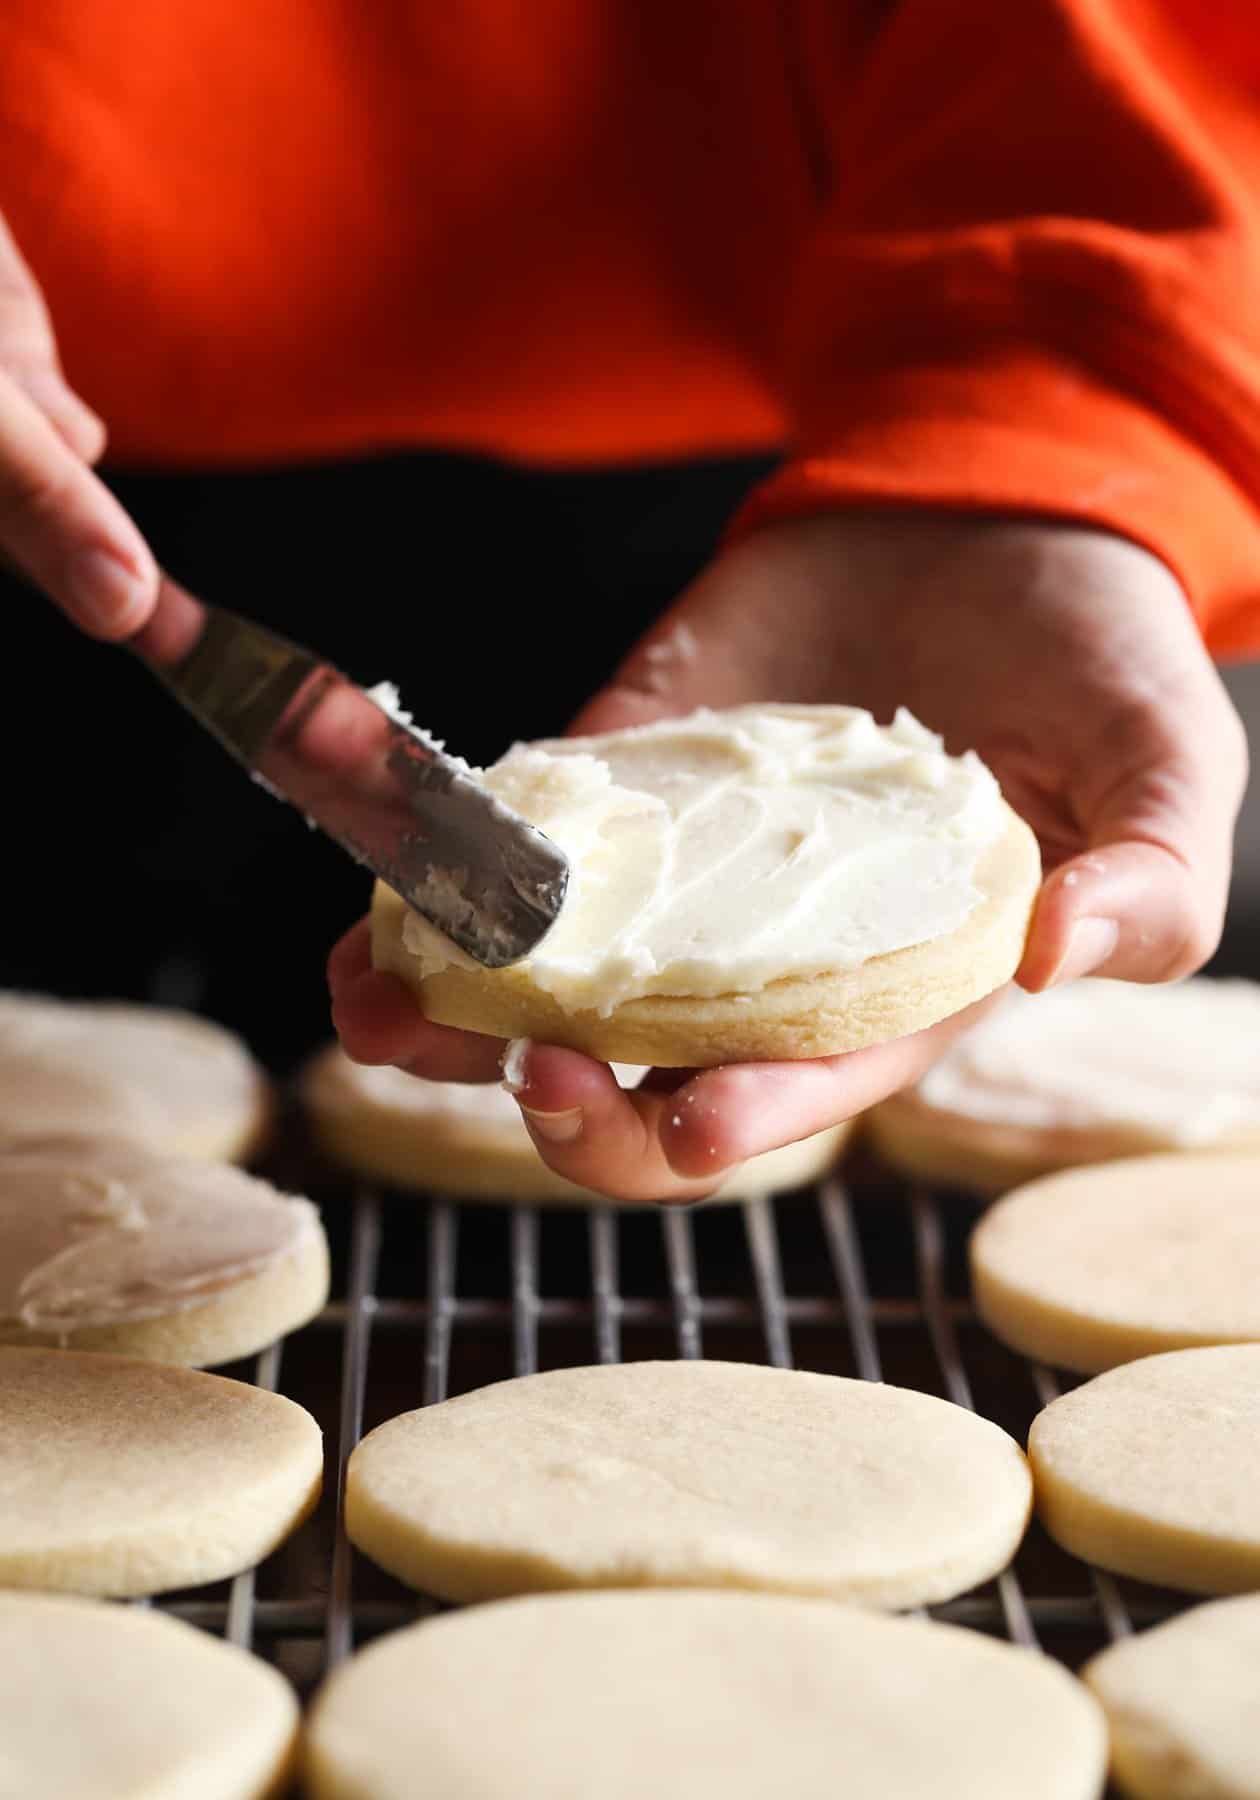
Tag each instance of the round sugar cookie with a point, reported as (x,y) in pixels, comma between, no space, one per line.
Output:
(116,1703)
(690,1474)
(106,1246)
(172,1082)
(469,1139)
(1153,1469)
(1182,1704)
(1081,1074)
(699,1696)
(768,882)
(1102,1265)
(122,1477)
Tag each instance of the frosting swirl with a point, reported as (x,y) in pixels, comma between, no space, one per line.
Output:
(719,852)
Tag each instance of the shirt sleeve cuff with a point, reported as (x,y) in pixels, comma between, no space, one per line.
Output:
(1016,430)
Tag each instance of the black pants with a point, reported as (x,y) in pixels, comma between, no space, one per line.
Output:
(141,863)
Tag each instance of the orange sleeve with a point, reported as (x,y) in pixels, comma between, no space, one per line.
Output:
(1035,282)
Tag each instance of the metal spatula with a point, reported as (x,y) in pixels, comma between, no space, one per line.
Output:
(387,793)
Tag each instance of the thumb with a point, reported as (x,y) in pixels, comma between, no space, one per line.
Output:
(671,670)
(723,642)
(656,681)
(617,707)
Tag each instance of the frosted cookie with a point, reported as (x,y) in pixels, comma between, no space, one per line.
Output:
(1183,1705)
(690,1474)
(768,882)
(105,1246)
(695,1696)
(1099,1266)
(1153,1469)
(470,1140)
(1093,1070)
(124,1477)
(118,1703)
(174,1083)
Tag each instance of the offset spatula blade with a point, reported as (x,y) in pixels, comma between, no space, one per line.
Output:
(387,793)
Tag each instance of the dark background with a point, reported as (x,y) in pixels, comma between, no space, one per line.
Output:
(142,863)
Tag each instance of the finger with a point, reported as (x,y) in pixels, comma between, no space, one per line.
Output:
(1147,900)
(598,1135)
(81,429)
(724,1116)
(723,643)
(351,955)
(65,530)
(653,1145)
(618,708)
(1130,911)
(28,354)
(376,1017)
(676,667)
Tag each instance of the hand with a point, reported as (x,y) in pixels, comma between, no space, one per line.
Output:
(58,524)
(1068,658)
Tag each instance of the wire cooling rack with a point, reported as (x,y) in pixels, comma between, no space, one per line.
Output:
(862,1279)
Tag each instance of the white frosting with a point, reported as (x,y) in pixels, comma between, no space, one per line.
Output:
(514,1065)
(720,852)
(1178,1064)
(98,1233)
(385,695)
(674,649)
(142,1073)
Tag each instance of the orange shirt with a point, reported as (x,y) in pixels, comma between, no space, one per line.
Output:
(984,254)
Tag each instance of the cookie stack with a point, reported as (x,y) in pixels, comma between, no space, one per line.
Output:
(133,1253)
(1122,1125)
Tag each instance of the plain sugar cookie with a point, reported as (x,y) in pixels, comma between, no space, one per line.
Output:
(699,1696)
(1081,1074)
(116,1703)
(121,1477)
(176,1084)
(1102,1265)
(105,1246)
(1183,1705)
(764,883)
(468,1139)
(690,1474)
(1153,1469)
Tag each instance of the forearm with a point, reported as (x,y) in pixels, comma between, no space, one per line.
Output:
(1032,286)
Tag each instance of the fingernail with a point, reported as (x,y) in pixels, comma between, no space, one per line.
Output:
(1091,943)
(107,593)
(555,1127)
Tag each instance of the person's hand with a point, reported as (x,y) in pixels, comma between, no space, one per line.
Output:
(1068,658)
(59,525)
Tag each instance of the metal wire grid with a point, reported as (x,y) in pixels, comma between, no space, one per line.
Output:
(337,1619)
